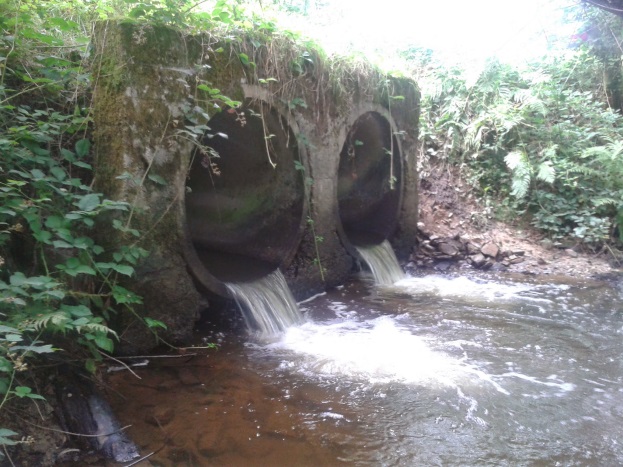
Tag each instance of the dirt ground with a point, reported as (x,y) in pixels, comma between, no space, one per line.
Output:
(448,208)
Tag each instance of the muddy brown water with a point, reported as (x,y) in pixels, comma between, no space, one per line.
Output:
(430,371)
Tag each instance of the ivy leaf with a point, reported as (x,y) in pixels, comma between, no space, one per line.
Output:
(25,391)
(47,348)
(90,366)
(61,244)
(54,222)
(37,174)
(84,165)
(83,243)
(157,179)
(123,269)
(7,329)
(42,236)
(17,279)
(5,433)
(244,58)
(104,343)
(77,311)
(82,147)
(6,367)
(154,323)
(123,295)
(89,202)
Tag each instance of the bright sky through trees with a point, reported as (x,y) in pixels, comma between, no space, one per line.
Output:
(467,29)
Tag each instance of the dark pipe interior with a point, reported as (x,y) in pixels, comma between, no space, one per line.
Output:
(368,201)
(243,214)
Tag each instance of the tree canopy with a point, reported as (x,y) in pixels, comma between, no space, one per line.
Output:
(612,6)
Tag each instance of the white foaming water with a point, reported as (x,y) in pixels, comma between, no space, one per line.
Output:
(378,351)
(382,262)
(461,287)
(267,304)
(389,349)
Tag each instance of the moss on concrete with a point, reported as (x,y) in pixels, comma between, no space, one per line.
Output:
(147,88)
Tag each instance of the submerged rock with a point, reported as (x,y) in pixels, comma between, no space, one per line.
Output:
(85,412)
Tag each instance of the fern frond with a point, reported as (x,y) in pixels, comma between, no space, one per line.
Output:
(528,101)
(57,319)
(96,327)
(596,153)
(550,152)
(521,95)
(520,185)
(604,201)
(518,163)
(546,172)
(582,169)
(513,159)
(616,149)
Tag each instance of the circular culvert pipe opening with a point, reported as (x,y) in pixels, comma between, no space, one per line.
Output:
(245,200)
(369,181)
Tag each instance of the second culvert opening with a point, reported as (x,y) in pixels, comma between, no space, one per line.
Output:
(369,181)
(245,199)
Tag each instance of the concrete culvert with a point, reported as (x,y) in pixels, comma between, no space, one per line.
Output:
(245,199)
(369,181)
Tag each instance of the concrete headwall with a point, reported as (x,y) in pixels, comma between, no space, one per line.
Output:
(314,160)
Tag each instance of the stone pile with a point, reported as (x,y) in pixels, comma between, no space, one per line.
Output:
(434,251)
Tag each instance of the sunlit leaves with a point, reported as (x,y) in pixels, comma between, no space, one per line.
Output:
(541,135)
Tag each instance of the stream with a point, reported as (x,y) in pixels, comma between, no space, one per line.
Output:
(433,370)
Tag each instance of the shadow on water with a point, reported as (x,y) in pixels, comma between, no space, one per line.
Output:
(429,371)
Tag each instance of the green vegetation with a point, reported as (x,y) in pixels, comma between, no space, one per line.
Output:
(59,288)
(544,142)
(62,287)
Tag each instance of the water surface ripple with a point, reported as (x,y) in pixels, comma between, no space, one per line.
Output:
(429,371)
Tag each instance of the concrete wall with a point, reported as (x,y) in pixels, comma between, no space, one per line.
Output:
(148,89)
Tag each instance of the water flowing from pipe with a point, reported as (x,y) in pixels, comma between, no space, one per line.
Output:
(267,304)
(382,262)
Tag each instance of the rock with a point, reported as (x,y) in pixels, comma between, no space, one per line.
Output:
(84,410)
(427,246)
(513,259)
(423,230)
(571,253)
(478,260)
(472,248)
(160,416)
(440,257)
(498,267)
(490,249)
(187,377)
(443,266)
(541,261)
(547,244)
(449,249)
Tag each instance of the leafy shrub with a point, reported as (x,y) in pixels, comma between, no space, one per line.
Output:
(543,135)
(57,285)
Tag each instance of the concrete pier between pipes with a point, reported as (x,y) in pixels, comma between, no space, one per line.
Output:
(236,167)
